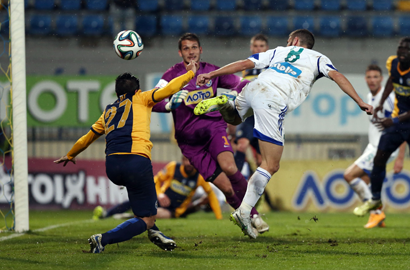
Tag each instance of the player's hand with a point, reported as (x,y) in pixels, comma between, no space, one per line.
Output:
(375,112)
(194,66)
(366,107)
(383,123)
(65,160)
(163,200)
(203,79)
(398,166)
(176,100)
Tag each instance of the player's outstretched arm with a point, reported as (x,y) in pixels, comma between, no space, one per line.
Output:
(78,147)
(176,84)
(231,68)
(347,87)
(388,88)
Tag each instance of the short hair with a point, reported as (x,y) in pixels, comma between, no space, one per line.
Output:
(261,37)
(375,68)
(305,36)
(126,83)
(188,36)
(405,39)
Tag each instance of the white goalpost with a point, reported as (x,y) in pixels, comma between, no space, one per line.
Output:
(19,116)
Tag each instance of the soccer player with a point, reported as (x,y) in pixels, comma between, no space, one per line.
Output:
(396,129)
(175,185)
(203,140)
(281,88)
(126,124)
(357,175)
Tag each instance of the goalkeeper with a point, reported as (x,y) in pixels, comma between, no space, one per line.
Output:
(126,124)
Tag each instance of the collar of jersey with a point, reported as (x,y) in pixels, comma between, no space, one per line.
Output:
(402,72)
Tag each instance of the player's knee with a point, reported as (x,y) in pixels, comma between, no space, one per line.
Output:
(347,176)
(273,168)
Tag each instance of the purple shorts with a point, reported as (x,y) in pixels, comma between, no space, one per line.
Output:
(204,156)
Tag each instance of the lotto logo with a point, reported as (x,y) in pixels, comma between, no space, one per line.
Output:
(401,90)
(195,97)
(286,68)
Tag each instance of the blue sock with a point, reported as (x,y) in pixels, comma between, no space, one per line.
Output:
(120,208)
(239,159)
(124,231)
(376,179)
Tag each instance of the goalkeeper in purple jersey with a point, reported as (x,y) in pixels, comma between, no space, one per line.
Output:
(203,139)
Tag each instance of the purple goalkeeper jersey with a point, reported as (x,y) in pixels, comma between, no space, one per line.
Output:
(190,128)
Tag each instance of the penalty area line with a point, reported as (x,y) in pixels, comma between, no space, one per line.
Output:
(45,229)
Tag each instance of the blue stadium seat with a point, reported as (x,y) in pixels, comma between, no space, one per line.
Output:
(174,5)
(250,25)
(40,24)
(70,4)
(93,25)
(25,4)
(382,26)
(224,26)
(225,5)
(198,24)
(5,26)
(330,5)
(278,5)
(96,4)
(304,5)
(252,4)
(356,5)
(404,26)
(200,5)
(171,25)
(356,26)
(382,4)
(66,25)
(330,26)
(44,4)
(146,25)
(147,5)
(277,26)
(304,22)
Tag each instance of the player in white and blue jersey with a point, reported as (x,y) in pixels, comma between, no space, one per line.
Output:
(291,72)
(357,175)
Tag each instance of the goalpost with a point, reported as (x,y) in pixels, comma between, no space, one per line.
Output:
(19,116)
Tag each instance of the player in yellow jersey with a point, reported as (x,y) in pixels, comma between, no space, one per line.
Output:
(126,124)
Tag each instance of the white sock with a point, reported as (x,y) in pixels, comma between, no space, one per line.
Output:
(256,186)
(361,189)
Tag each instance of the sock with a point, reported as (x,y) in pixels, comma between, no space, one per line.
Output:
(256,186)
(361,189)
(124,231)
(155,227)
(239,185)
(233,201)
(239,159)
(377,178)
(120,208)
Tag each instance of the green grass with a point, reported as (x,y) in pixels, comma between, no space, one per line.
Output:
(295,240)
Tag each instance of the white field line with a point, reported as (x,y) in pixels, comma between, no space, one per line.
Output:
(45,229)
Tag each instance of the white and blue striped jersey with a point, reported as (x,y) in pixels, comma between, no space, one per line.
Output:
(292,71)
(388,106)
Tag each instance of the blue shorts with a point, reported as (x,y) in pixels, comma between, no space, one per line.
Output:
(135,173)
(393,137)
(245,130)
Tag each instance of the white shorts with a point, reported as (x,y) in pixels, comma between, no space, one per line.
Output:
(365,161)
(269,109)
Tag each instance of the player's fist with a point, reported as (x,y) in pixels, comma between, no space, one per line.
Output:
(176,100)
(203,79)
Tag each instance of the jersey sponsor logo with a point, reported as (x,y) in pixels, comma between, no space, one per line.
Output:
(209,84)
(194,97)
(401,90)
(180,188)
(286,68)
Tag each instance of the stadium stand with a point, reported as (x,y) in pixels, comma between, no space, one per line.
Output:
(44,4)
(250,25)
(93,25)
(356,5)
(96,4)
(171,24)
(66,25)
(382,26)
(146,25)
(356,26)
(224,26)
(40,24)
(174,5)
(404,25)
(277,26)
(225,5)
(383,4)
(147,5)
(198,24)
(70,4)
(278,5)
(329,26)
(304,5)
(200,5)
(252,5)
(305,22)
(330,5)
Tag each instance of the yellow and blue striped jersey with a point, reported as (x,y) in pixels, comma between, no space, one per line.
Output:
(401,85)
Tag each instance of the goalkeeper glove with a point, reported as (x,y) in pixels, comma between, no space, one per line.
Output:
(176,100)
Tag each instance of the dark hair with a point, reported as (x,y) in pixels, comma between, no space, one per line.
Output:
(375,68)
(261,37)
(305,36)
(405,39)
(126,83)
(188,36)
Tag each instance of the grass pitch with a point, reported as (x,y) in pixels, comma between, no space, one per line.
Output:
(295,240)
